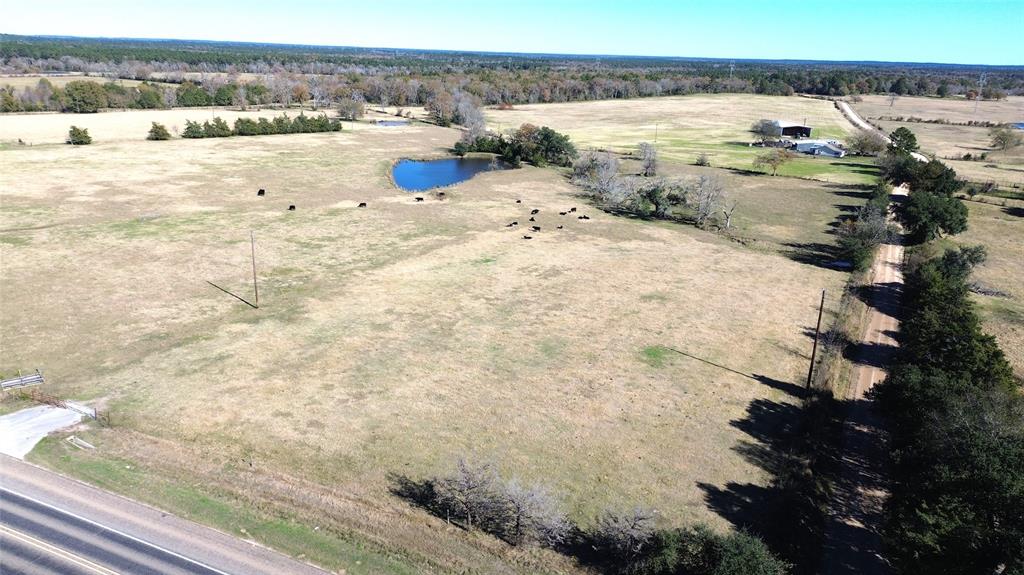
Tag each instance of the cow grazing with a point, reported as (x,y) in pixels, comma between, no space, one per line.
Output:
(560,227)
(261,192)
(419,198)
(536,228)
(362,204)
(527,237)
(572,209)
(534,212)
(532,219)
(562,213)
(291,208)
(519,201)
(583,217)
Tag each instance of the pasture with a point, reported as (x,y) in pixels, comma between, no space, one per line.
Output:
(393,338)
(950,142)
(683,127)
(123,126)
(31,81)
(998,224)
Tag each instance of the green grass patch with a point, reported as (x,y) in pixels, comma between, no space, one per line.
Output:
(14,240)
(484,261)
(654,355)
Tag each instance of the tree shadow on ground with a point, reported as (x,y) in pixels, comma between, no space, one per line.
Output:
(883,297)
(1014,211)
(817,254)
(785,513)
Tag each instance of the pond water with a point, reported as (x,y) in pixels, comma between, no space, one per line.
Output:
(1018,125)
(392,122)
(419,175)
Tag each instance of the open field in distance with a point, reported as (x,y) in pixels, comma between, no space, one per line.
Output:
(685,126)
(391,339)
(125,125)
(951,141)
(31,81)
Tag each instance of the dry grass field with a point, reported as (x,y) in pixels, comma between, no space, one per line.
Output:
(686,126)
(1000,228)
(393,338)
(121,126)
(951,141)
(19,82)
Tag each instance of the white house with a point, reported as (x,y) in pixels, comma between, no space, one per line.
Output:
(820,148)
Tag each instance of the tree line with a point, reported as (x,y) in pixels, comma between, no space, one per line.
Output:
(956,416)
(286,75)
(218,128)
(620,541)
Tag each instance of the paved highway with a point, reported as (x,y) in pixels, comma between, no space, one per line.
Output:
(50,524)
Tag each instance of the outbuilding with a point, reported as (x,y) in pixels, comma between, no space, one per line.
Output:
(792,129)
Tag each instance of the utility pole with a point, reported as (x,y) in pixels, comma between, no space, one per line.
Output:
(255,288)
(981,87)
(732,66)
(814,350)
(655,133)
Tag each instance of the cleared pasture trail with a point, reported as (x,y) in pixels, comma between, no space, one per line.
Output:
(853,542)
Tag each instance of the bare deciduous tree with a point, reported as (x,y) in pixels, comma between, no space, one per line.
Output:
(766,130)
(705,197)
(624,534)
(648,159)
(727,215)
(532,514)
(470,490)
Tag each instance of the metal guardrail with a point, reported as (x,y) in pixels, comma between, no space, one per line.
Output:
(22,381)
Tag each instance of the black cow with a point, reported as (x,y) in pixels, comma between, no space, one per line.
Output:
(572,209)
(534,212)
(536,228)
(419,199)
(527,237)
(519,201)
(560,227)
(261,192)
(362,204)
(291,208)
(562,213)
(532,219)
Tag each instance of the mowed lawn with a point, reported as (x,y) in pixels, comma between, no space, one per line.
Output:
(950,142)
(683,127)
(390,339)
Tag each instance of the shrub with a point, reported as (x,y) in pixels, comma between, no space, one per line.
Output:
(158,132)
(192,130)
(217,129)
(700,551)
(78,136)
(703,159)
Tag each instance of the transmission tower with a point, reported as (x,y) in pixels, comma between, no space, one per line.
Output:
(981,88)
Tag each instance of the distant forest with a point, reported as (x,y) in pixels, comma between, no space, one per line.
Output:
(230,73)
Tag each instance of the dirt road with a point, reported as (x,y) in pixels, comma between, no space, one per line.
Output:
(863,124)
(852,542)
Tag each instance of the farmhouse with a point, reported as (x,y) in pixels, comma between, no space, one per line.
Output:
(820,148)
(792,129)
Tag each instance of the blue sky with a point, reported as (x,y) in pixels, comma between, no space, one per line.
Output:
(954,31)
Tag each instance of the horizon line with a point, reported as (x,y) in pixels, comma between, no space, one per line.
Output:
(518,53)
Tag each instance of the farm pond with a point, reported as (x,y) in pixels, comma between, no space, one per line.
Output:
(419,175)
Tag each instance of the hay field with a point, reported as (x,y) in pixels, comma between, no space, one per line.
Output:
(389,339)
(123,125)
(953,109)
(950,141)
(19,82)
(685,126)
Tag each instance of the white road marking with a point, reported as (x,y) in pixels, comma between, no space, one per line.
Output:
(121,533)
(65,555)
